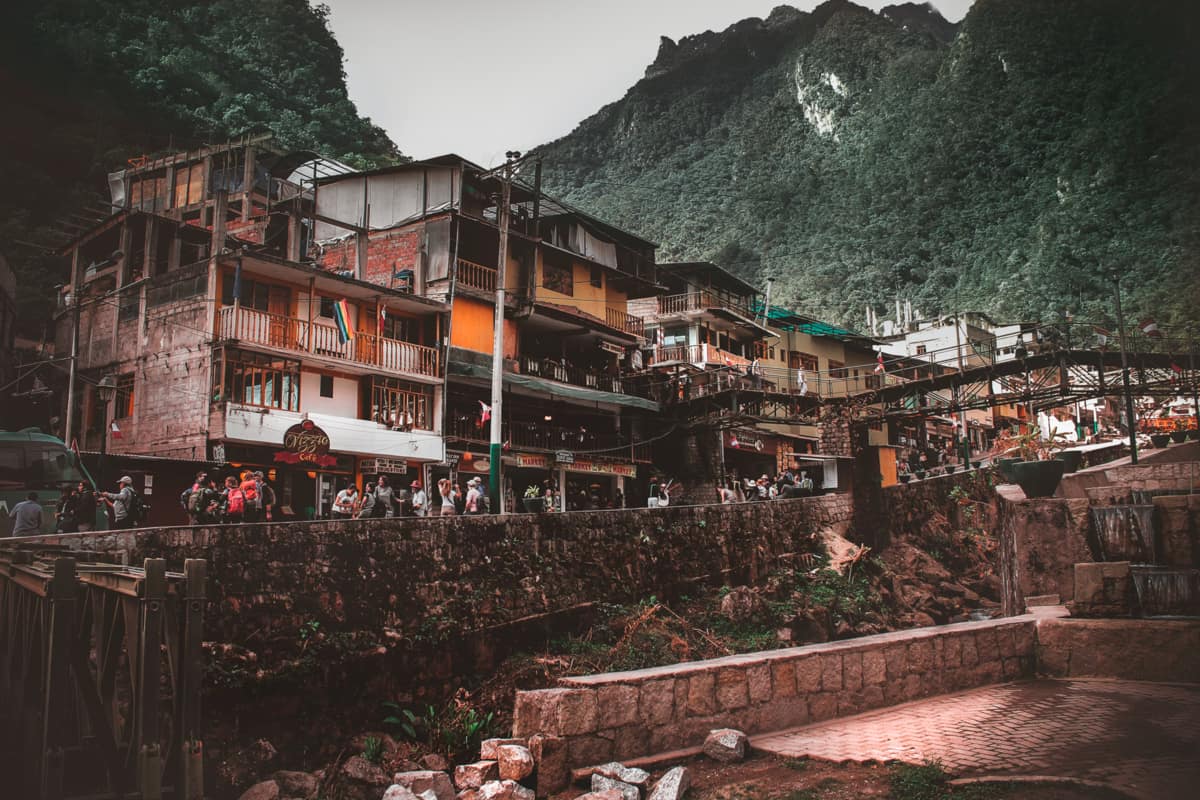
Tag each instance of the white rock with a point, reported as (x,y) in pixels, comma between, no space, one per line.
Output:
(672,785)
(602,784)
(504,790)
(398,792)
(726,745)
(619,772)
(472,776)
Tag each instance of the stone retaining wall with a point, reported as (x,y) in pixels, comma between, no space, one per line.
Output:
(432,580)
(904,508)
(1142,650)
(1041,541)
(627,714)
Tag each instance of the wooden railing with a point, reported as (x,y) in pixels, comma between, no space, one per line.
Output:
(476,276)
(567,373)
(701,355)
(622,321)
(697,301)
(299,336)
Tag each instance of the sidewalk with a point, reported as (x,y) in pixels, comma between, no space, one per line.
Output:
(1140,738)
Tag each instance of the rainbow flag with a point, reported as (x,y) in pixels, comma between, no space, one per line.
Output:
(341,318)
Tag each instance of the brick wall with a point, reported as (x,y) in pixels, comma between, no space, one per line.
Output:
(623,715)
(387,252)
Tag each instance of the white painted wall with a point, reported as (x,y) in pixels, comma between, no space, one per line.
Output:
(344,402)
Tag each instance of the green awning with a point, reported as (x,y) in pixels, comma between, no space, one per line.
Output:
(467,364)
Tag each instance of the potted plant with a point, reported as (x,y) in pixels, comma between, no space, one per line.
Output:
(533,501)
(1160,440)
(1071,458)
(1179,434)
(1036,471)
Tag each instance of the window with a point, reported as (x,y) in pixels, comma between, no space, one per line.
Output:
(837,369)
(402,329)
(920,349)
(255,294)
(597,278)
(123,399)
(675,337)
(400,404)
(326,307)
(129,303)
(804,361)
(557,274)
(326,386)
(259,380)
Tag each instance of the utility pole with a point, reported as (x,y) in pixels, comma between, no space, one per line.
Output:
(1132,421)
(767,302)
(496,442)
(960,430)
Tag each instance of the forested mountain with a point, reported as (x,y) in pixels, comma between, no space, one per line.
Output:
(1009,162)
(87,84)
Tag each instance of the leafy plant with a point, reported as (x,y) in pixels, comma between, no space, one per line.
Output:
(373,749)
(924,782)
(455,729)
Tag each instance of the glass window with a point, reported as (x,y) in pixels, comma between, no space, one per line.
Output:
(12,464)
(400,404)
(326,307)
(260,380)
(123,399)
(326,386)
(52,466)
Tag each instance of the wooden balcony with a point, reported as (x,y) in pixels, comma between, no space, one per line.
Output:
(476,276)
(549,438)
(303,338)
(695,302)
(556,370)
(622,321)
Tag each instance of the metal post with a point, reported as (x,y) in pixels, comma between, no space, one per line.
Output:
(70,429)
(496,441)
(1132,420)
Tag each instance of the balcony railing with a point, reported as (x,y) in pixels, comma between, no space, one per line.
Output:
(702,355)
(301,337)
(556,370)
(691,302)
(622,321)
(520,435)
(476,276)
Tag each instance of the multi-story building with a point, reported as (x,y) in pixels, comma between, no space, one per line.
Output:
(227,349)
(573,414)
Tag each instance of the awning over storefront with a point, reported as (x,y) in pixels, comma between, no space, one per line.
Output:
(467,365)
(360,437)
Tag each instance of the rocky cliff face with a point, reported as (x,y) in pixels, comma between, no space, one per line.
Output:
(856,157)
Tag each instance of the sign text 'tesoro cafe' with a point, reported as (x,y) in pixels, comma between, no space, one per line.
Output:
(305,443)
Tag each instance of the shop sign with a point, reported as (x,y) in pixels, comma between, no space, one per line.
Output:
(481,464)
(305,443)
(605,468)
(218,453)
(751,440)
(564,457)
(615,349)
(382,466)
(538,460)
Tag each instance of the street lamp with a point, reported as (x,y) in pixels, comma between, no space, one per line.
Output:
(105,390)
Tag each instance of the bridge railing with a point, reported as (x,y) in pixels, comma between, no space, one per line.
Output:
(100,673)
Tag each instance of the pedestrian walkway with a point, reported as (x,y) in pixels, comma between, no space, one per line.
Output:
(1139,738)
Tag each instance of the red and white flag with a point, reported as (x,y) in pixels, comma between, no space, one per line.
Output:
(1150,328)
(116,430)
(485,413)
(1178,370)
(879,364)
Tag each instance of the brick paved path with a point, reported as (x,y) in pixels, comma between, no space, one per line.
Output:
(1140,738)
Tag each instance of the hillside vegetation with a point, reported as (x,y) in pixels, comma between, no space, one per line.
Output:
(90,84)
(1009,164)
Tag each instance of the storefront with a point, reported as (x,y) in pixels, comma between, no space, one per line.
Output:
(309,459)
(590,483)
(750,453)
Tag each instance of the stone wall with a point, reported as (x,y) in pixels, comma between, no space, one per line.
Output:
(1142,650)
(1041,541)
(905,507)
(622,715)
(1178,521)
(435,580)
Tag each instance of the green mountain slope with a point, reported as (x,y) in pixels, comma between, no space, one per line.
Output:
(857,157)
(88,84)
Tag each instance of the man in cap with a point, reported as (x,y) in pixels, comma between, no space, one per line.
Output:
(474,496)
(420,501)
(123,503)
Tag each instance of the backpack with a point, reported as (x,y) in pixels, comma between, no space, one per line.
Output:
(195,501)
(136,510)
(249,491)
(236,502)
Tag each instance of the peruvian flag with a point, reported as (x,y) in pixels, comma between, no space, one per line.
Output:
(485,413)
(879,364)
(116,430)
(1150,328)
(1178,370)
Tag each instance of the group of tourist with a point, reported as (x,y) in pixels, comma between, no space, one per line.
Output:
(382,500)
(244,497)
(788,483)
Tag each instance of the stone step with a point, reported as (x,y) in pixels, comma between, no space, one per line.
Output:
(1042,600)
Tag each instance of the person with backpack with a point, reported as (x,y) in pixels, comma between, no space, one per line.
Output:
(125,504)
(85,501)
(266,496)
(233,502)
(251,497)
(65,512)
(192,498)
(385,499)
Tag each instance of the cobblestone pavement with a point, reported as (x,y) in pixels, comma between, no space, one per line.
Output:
(1139,738)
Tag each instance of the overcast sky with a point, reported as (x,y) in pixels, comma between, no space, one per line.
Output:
(479,77)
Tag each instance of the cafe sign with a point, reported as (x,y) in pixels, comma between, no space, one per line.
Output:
(605,468)
(750,440)
(539,460)
(564,457)
(305,443)
(382,466)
